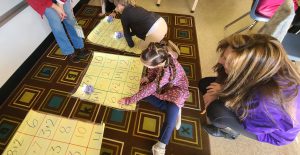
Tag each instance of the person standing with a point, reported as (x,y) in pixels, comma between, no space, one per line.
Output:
(58,12)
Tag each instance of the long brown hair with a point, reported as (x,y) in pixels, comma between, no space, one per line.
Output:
(156,54)
(259,65)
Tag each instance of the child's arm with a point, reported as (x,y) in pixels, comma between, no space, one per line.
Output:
(126,30)
(146,91)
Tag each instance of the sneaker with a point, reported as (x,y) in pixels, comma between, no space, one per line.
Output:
(73,58)
(158,151)
(82,53)
(178,122)
(217,132)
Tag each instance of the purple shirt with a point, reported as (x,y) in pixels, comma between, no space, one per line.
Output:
(270,123)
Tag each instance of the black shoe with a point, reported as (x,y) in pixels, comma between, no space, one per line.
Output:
(233,134)
(216,132)
(73,58)
(212,130)
(82,53)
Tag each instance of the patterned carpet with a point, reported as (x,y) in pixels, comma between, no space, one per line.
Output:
(50,83)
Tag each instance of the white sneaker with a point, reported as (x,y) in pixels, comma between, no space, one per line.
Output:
(178,121)
(158,150)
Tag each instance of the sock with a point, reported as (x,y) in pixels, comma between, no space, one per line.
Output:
(161,145)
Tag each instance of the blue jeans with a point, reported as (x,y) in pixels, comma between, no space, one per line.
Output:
(59,31)
(171,110)
(221,116)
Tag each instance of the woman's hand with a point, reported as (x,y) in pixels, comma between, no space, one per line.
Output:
(208,99)
(212,93)
(214,88)
(60,10)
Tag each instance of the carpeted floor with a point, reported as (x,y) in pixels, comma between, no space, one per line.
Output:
(50,83)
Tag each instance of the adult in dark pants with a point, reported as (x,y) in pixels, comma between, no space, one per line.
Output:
(255,92)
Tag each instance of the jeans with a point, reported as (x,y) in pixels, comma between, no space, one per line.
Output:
(219,115)
(60,33)
(171,110)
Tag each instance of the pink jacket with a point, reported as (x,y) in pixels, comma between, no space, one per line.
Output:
(177,94)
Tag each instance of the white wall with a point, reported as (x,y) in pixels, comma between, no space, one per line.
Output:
(19,37)
(6,5)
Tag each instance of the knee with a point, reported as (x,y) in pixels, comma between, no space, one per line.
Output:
(57,27)
(69,20)
(205,82)
(171,123)
(215,110)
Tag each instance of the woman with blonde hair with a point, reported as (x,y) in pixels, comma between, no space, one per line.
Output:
(255,92)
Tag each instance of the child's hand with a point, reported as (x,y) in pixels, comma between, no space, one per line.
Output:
(123,101)
(113,15)
(144,80)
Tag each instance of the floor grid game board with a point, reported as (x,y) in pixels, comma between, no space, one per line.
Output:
(112,77)
(49,134)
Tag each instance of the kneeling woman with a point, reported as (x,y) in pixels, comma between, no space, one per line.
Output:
(256,92)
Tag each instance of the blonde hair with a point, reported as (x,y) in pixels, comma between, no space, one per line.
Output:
(259,65)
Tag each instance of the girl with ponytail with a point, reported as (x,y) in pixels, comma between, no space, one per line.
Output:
(164,86)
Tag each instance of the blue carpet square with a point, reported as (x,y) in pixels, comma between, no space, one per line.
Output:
(117,116)
(186,130)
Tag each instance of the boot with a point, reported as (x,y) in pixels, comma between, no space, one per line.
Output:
(82,53)
(230,132)
(73,58)
(217,132)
